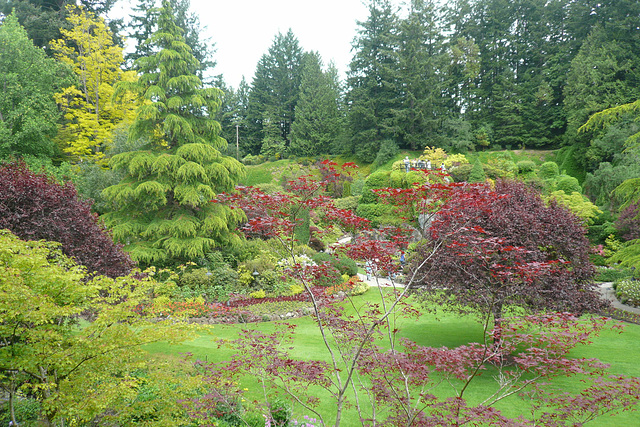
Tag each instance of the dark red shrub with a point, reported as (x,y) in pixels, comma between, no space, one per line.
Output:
(34,206)
(629,222)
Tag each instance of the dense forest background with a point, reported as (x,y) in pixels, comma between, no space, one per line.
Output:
(464,76)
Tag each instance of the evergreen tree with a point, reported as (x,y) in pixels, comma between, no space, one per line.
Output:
(274,91)
(417,118)
(43,19)
(477,172)
(143,25)
(318,118)
(162,209)
(372,80)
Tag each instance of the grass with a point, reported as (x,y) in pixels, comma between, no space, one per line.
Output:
(430,330)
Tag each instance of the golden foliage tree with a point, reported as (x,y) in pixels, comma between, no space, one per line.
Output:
(90,111)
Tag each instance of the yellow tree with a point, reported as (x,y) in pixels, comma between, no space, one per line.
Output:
(90,112)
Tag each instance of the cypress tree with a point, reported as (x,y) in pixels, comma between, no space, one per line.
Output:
(162,209)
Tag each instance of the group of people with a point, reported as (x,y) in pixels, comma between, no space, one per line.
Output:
(371,268)
(419,164)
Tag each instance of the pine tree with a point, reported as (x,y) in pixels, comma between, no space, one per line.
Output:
(318,118)
(419,60)
(372,81)
(163,210)
(143,24)
(274,91)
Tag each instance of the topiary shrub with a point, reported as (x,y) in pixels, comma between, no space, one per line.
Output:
(525,167)
(548,170)
(568,184)
(36,207)
(477,173)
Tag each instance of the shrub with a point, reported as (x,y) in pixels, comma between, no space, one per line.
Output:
(350,202)
(388,150)
(628,292)
(343,264)
(525,167)
(568,184)
(258,294)
(612,274)
(477,173)
(36,207)
(461,173)
(548,170)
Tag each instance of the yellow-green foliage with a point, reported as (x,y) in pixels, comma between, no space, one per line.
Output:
(628,255)
(258,294)
(580,205)
(627,193)
(91,112)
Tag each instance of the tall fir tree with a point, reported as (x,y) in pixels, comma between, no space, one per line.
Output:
(318,117)
(274,91)
(372,82)
(420,59)
(163,210)
(143,25)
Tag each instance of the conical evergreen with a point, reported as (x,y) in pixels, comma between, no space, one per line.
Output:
(162,209)
(477,173)
(318,119)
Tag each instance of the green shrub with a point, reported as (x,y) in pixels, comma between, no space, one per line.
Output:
(343,264)
(568,184)
(570,164)
(612,274)
(397,179)
(270,308)
(477,173)
(258,294)
(350,202)
(628,292)
(548,170)
(357,186)
(461,173)
(281,412)
(525,167)
(378,180)
(388,150)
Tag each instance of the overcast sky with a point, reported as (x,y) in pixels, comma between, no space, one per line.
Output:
(243,30)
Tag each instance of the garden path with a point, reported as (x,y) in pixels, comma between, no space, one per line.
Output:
(608,293)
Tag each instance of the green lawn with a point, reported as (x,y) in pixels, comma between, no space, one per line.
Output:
(619,350)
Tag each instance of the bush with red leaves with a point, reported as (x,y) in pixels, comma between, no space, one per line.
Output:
(34,206)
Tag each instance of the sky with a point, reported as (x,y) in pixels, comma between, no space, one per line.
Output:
(243,30)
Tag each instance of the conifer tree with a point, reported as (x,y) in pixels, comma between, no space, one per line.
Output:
(372,81)
(477,173)
(419,59)
(274,91)
(318,119)
(162,209)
